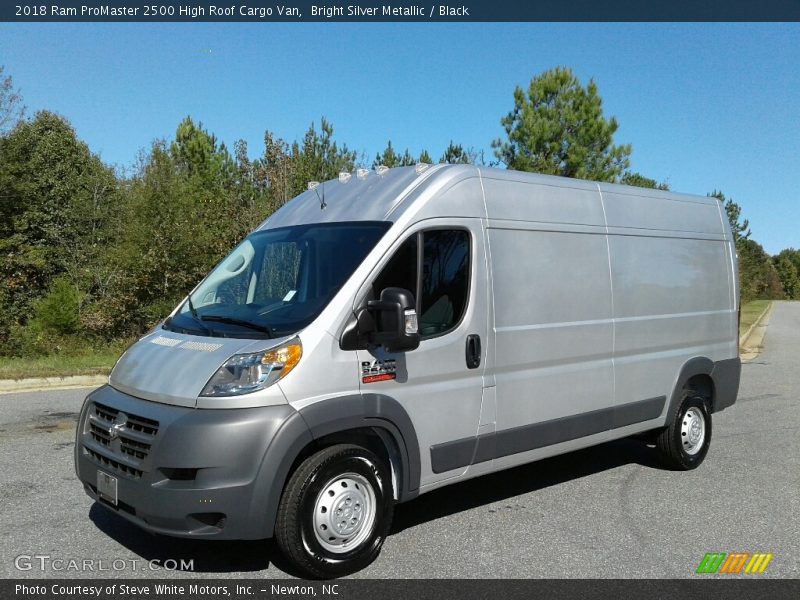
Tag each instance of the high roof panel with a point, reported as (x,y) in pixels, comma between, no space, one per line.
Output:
(369,199)
(545,198)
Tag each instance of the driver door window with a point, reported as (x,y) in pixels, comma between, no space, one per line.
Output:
(440,286)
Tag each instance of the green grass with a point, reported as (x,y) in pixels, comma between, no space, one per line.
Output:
(87,362)
(750,312)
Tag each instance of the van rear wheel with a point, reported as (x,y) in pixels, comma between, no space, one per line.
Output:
(684,443)
(335,512)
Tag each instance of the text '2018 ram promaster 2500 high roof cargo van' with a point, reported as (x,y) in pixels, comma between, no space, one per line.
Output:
(399,330)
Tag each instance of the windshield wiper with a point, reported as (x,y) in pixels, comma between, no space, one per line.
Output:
(191,307)
(233,321)
(193,312)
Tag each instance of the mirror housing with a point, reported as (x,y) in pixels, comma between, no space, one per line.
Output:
(396,320)
(390,322)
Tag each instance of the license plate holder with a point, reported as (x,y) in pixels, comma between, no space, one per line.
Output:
(107,487)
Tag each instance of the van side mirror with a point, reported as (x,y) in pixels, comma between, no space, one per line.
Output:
(390,322)
(396,320)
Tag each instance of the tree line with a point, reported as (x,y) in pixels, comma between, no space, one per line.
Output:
(89,253)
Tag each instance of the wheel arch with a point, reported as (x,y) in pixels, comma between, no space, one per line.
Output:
(377,416)
(695,372)
(718,381)
(377,421)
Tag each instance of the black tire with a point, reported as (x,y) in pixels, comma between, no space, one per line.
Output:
(295,525)
(674,440)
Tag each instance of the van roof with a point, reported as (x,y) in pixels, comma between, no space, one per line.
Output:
(370,196)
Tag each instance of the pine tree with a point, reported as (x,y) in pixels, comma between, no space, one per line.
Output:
(740,229)
(639,180)
(557,127)
(455,154)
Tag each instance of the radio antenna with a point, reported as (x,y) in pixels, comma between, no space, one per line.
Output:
(313,185)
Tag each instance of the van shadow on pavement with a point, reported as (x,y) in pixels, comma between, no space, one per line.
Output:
(212,556)
(522,480)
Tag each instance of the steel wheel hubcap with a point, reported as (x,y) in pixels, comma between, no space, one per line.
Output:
(693,431)
(344,513)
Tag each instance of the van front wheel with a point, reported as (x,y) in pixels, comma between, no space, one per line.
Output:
(335,512)
(684,443)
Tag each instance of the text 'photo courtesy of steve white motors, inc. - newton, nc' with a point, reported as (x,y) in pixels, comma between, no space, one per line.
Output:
(109,590)
(329,11)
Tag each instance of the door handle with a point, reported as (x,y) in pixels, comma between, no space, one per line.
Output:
(473,351)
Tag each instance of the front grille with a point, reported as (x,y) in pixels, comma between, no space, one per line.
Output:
(114,465)
(135,422)
(135,449)
(125,439)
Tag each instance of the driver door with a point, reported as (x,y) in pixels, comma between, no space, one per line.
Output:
(444,265)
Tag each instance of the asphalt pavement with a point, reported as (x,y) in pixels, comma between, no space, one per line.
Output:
(608,512)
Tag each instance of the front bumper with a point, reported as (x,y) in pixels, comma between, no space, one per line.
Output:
(182,471)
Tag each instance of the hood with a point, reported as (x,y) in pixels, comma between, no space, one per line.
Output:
(173,368)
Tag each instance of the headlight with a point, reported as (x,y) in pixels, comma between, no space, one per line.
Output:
(245,373)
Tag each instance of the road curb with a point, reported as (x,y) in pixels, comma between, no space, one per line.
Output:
(10,386)
(744,337)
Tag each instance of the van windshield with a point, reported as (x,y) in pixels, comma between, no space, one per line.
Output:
(277,281)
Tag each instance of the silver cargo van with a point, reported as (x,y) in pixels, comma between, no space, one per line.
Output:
(400,330)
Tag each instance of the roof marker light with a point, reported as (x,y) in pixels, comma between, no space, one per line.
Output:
(312,184)
(362,173)
(381,170)
(421,167)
